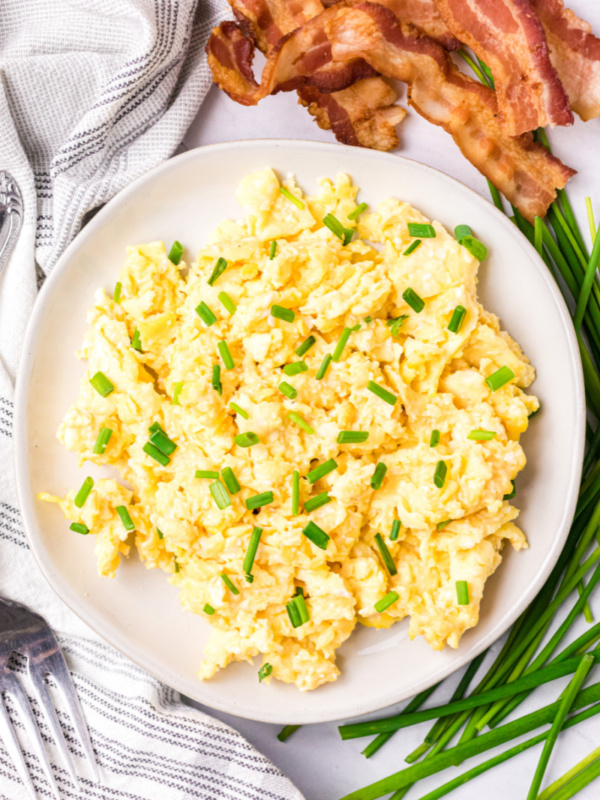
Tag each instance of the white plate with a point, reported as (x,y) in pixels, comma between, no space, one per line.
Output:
(139,612)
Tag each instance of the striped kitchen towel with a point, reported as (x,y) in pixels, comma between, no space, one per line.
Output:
(93,93)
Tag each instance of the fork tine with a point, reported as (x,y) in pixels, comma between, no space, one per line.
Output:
(12,745)
(12,685)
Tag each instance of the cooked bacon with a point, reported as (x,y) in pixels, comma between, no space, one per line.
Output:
(424,15)
(509,37)
(353,31)
(575,54)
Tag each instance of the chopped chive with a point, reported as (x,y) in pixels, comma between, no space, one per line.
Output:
(205,314)
(414,301)
(301,607)
(161,440)
(499,378)
(79,527)
(220,495)
(422,229)
(230,481)
(247,439)
(512,494)
(386,556)
(223,348)
(160,534)
(175,252)
(462,593)
(239,410)
(481,436)
(295,493)
(259,500)
(102,441)
(477,249)
(317,501)
(378,475)
(101,384)
(249,578)
(395,532)
(324,367)
(305,346)
(136,341)
(295,200)
(434,439)
(227,302)
(336,227)
(395,324)
(439,476)
(264,672)
(251,551)
(83,493)
(175,564)
(461,231)
(300,422)
(352,437)
(287,731)
(299,590)
(293,613)
(156,426)
(316,535)
(412,247)
(219,269)
(177,387)
(207,473)
(457,319)
(287,390)
(323,469)
(117,292)
(387,601)
(382,393)
(358,211)
(208,609)
(272,250)
(339,348)
(156,454)
(125,518)
(229,584)
(295,368)
(216,379)
(441,525)
(286,314)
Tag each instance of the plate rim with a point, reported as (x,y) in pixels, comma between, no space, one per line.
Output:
(26,497)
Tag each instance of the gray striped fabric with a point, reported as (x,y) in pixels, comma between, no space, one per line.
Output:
(93,93)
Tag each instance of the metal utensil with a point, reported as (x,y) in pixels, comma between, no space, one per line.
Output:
(11,216)
(23,631)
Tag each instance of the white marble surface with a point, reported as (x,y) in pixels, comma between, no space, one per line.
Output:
(321,765)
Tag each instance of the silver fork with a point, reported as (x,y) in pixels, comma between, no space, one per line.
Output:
(23,631)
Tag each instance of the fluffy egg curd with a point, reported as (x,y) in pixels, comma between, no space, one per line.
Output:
(317,424)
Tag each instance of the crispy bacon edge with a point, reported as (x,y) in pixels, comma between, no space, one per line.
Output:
(519,167)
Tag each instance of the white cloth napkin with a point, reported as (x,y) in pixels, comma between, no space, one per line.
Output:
(93,93)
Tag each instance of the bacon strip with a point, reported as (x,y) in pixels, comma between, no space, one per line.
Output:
(509,37)
(575,54)
(520,168)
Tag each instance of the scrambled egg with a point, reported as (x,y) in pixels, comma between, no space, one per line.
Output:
(439,534)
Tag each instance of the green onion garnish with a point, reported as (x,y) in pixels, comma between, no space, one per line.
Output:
(156,426)
(324,367)
(286,314)
(293,614)
(161,440)
(499,378)
(439,476)
(295,368)
(286,193)
(336,227)
(287,390)
(378,475)
(305,346)
(230,481)
(481,436)
(357,211)
(316,535)
(102,441)
(395,532)
(386,556)
(175,252)
(382,393)
(160,534)
(259,500)
(205,314)
(414,301)
(316,502)
(83,493)
(216,379)
(177,387)
(264,672)
(101,384)
(220,495)
(412,247)
(223,348)
(462,593)
(247,439)
(207,473)
(339,348)
(227,302)
(323,469)
(117,292)
(125,518)
(251,551)
(475,247)
(219,269)
(302,609)
(272,250)
(352,437)
(434,439)
(441,525)
(300,422)
(156,454)
(285,733)
(136,341)
(239,410)
(395,324)
(249,578)
(295,493)
(208,610)
(79,527)
(368,319)
(387,601)
(461,231)
(457,319)
(422,229)
(512,494)
(229,584)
